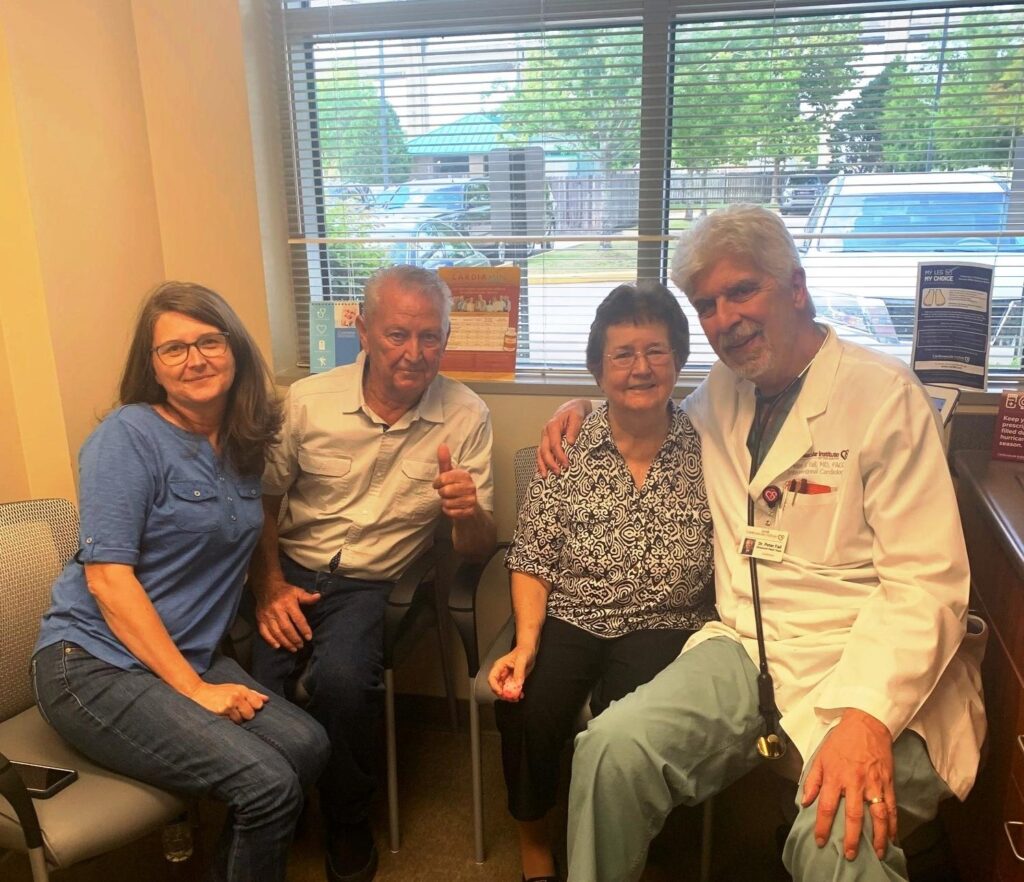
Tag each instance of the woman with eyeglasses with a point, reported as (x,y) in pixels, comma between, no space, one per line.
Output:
(127,667)
(611,563)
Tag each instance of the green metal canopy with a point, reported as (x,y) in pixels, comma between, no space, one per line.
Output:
(472,133)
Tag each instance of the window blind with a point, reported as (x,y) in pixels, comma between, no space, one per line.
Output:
(576,139)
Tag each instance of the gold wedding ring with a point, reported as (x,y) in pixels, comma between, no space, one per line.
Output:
(874,800)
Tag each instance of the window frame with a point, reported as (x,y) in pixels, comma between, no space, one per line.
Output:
(392,19)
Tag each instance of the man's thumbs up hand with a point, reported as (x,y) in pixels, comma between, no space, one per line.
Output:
(454,486)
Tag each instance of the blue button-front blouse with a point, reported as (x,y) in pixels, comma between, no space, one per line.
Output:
(157,498)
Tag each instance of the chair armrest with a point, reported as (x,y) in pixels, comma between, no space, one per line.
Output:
(404,589)
(462,606)
(13,790)
(401,599)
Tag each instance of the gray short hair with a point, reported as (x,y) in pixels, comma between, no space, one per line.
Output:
(414,278)
(746,231)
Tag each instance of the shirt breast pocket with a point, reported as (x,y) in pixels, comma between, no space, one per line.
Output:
(251,502)
(326,477)
(194,506)
(418,496)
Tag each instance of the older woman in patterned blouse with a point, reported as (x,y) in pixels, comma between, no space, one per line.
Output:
(611,561)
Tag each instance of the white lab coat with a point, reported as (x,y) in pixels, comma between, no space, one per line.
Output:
(868,606)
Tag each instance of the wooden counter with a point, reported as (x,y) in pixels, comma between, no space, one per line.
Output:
(988,828)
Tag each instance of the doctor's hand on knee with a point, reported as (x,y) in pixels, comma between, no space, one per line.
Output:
(510,672)
(854,761)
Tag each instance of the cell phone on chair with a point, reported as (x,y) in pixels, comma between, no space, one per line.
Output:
(42,782)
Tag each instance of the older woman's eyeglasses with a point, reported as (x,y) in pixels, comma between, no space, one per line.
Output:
(656,356)
(175,352)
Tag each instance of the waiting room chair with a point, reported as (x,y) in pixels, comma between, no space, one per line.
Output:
(462,607)
(417,601)
(101,810)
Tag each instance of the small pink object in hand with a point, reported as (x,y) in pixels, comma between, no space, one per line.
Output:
(511,690)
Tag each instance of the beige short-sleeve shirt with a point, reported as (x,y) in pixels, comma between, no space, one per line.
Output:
(354,484)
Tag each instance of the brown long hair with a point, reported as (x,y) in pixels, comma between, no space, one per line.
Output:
(252,416)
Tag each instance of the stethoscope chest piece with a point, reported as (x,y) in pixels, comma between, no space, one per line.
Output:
(771,747)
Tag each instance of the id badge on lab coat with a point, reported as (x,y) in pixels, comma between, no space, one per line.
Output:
(763,544)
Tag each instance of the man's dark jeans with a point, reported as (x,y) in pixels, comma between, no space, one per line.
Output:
(344,682)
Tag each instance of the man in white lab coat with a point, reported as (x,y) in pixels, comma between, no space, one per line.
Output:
(831,495)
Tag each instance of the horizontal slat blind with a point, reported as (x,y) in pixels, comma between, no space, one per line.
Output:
(576,139)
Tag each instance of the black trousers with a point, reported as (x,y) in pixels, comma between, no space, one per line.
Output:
(570,664)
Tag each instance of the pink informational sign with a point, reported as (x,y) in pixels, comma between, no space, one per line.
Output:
(1008,438)
(485,319)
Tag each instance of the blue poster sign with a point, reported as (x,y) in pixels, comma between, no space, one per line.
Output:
(333,339)
(954,304)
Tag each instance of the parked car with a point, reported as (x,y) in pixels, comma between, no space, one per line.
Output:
(435,244)
(464,204)
(800,192)
(868,232)
(863,318)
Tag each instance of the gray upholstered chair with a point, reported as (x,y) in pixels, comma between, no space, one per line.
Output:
(101,810)
(462,606)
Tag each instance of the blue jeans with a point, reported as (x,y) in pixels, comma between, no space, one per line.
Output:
(344,682)
(137,725)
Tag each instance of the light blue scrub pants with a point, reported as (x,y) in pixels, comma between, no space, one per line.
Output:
(686,735)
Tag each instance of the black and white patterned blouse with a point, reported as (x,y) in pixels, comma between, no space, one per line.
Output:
(621,559)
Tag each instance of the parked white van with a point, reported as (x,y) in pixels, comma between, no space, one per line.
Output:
(867,233)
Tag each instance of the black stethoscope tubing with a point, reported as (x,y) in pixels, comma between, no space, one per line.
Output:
(771,745)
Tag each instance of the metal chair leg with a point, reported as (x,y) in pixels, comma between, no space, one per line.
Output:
(705,839)
(14,792)
(478,790)
(441,617)
(37,860)
(392,758)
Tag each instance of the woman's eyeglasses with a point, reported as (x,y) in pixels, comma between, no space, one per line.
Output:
(656,357)
(175,352)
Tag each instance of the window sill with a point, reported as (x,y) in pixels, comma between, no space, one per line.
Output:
(583,386)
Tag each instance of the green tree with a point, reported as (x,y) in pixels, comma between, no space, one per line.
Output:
(361,138)
(856,138)
(1007,92)
(759,92)
(957,104)
(581,90)
(350,264)
(361,142)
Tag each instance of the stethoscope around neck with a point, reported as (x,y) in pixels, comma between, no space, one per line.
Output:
(771,744)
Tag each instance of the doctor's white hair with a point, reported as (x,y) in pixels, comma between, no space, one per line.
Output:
(743,231)
(408,278)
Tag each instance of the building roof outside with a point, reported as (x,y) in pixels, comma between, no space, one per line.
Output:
(469,134)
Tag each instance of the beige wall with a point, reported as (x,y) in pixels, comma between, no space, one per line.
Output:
(34,459)
(126,159)
(200,150)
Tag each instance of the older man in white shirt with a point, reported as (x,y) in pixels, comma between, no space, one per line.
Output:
(370,456)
